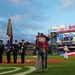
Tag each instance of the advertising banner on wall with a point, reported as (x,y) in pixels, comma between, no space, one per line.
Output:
(59,27)
(72,27)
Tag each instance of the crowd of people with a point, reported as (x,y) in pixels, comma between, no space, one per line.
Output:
(67,37)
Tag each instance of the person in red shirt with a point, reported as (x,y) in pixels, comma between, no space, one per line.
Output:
(40,44)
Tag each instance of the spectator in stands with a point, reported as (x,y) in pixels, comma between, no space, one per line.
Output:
(70,37)
(67,37)
(63,39)
(65,52)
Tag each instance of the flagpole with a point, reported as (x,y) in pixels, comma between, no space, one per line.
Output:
(9,34)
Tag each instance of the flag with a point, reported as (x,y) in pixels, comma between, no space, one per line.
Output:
(9,34)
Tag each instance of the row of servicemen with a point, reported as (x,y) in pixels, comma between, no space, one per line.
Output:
(15,48)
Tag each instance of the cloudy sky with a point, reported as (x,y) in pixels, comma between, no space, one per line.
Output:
(31,16)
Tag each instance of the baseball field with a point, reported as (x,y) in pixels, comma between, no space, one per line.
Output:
(56,66)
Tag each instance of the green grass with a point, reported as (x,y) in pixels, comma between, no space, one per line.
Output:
(67,67)
(23,68)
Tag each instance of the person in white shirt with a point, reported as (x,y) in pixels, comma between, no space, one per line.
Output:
(66,52)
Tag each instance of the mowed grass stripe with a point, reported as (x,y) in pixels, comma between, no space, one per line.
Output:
(63,68)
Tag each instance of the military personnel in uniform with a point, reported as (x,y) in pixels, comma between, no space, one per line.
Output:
(15,50)
(8,48)
(8,55)
(1,50)
(22,50)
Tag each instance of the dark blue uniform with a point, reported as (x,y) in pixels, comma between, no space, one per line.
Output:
(15,50)
(8,55)
(1,50)
(22,50)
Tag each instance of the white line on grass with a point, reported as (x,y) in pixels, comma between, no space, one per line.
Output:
(15,69)
(31,69)
(28,60)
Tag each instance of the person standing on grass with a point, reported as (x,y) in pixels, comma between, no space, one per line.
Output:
(22,50)
(15,50)
(1,50)
(65,52)
(46,48)
(8,48)
(40,44)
